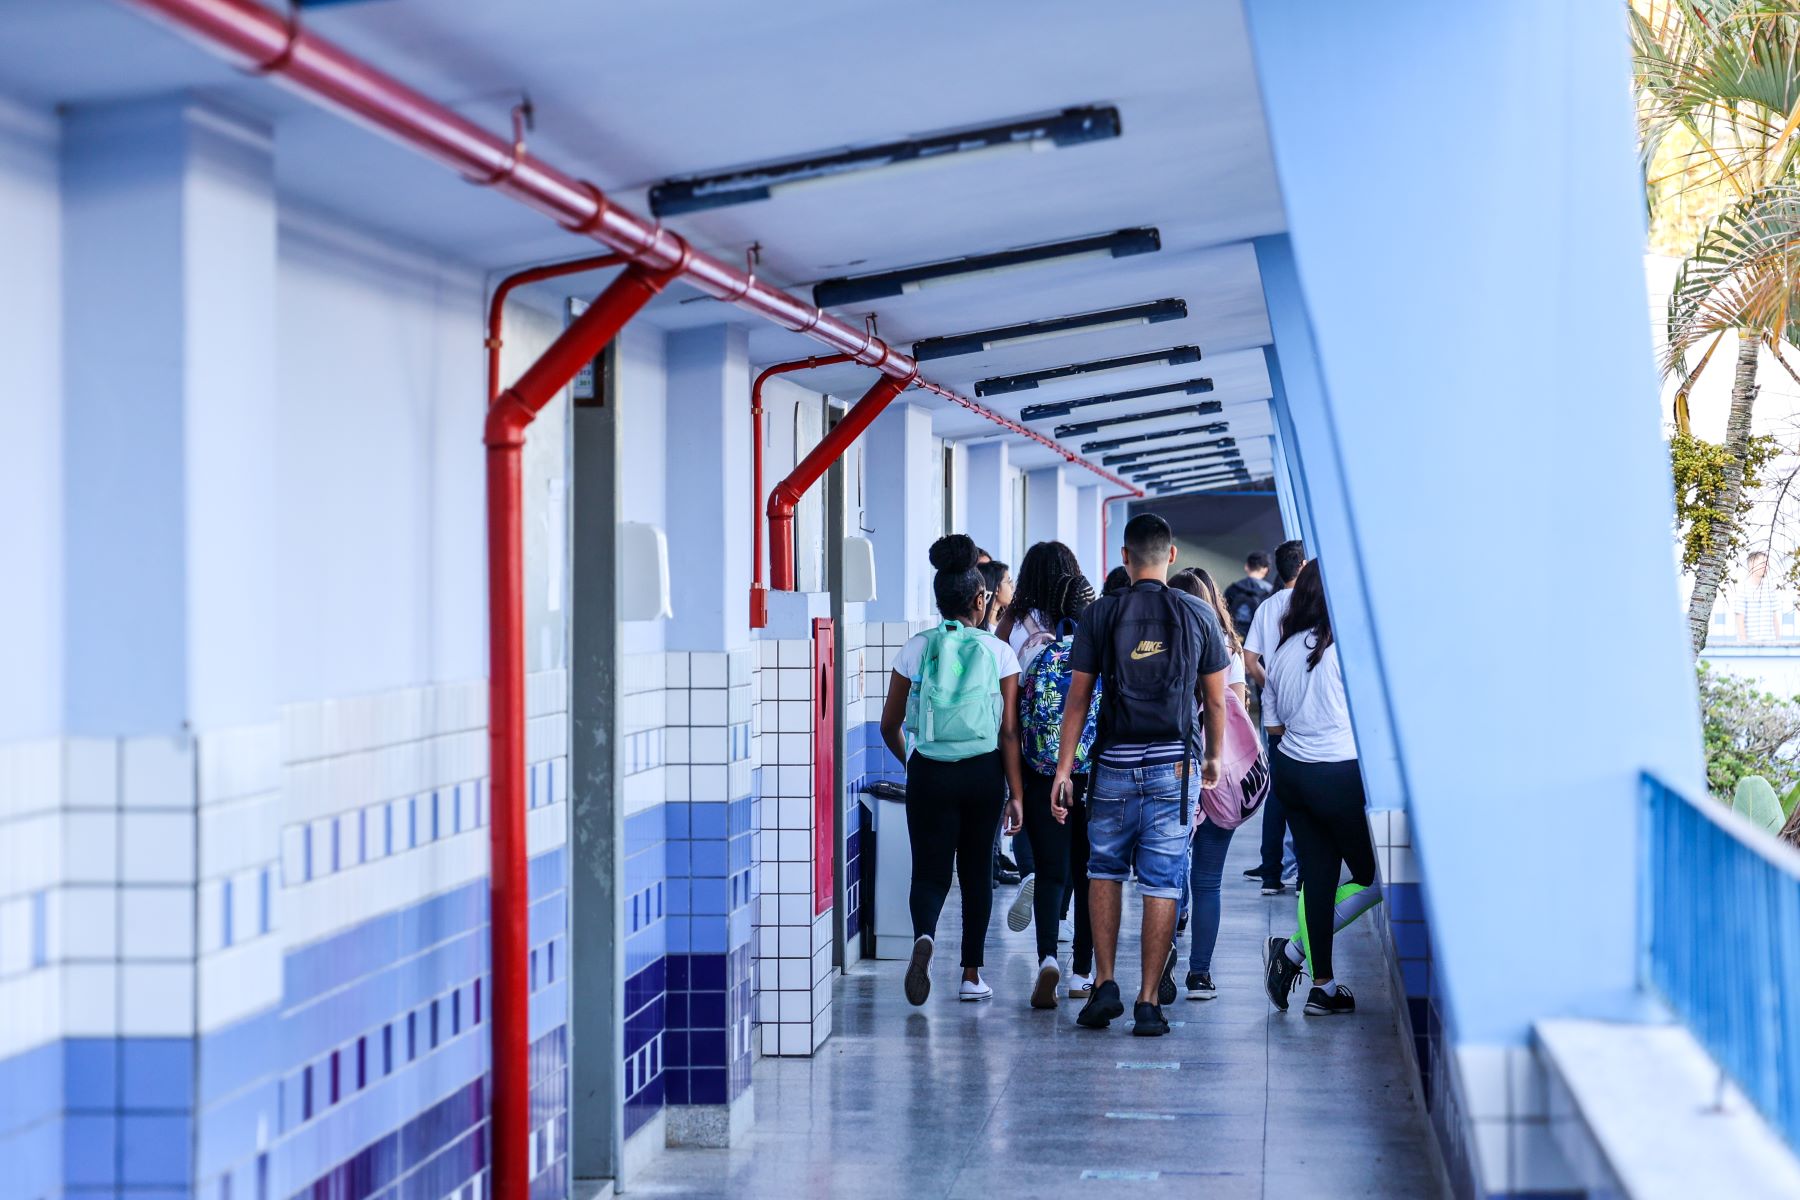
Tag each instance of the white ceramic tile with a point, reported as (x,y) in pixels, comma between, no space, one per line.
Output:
(156,922)
(706,669)
(676,706)
(793,684)
(90,845)
(157,847)
(91,773)
(1482,1071)
(707,706)
(709,782)
(771,1033)
(15,936)
(90,1000)
(1493,1153)
(739,664)
(158,999)
(89,924)
(795,974)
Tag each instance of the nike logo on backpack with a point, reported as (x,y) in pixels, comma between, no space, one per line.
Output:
(1146,650)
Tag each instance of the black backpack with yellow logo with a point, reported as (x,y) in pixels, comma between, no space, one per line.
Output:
(1151,670)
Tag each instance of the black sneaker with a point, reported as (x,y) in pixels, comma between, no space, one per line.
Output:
(1165,988)
(1280,976)
(1254,875)
(1277,888)
(1337,1004)
(1004,878)
(1101,1007)
(1200,986)
(1147,1020)
(918,971)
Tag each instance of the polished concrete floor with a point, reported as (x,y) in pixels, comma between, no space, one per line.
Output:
(997,1100)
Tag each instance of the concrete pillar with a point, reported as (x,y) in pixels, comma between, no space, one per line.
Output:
(905,498)
(173,764)
(712,864)
(989,498)
(1566,941)
(1087,541)
(1049,509)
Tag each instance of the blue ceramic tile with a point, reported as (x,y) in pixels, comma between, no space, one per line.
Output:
(708,819)
(155,1151)
(90,1150)
(90,1076)
(157,1073)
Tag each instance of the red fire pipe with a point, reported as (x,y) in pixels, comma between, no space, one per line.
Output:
(496,306)
(509,886)
(759,594)
(787,493)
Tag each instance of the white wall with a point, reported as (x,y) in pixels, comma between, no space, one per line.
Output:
(380,464)
(31,452)
(643,448)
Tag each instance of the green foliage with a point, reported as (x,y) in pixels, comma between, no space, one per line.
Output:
(1790,801)
(1748,733)
(1699,469)
(1755,799)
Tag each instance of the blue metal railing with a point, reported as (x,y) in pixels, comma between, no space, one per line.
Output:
(1721,916)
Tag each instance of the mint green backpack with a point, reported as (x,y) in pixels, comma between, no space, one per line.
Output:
(951,713)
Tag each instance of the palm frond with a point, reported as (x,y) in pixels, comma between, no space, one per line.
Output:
(1743,275)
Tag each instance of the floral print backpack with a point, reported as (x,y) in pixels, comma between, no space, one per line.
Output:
(1041,692)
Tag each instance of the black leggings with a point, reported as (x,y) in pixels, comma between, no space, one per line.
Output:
(951,810)
(1326,810)
(1061,864)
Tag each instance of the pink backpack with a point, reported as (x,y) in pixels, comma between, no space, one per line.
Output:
(1244,771)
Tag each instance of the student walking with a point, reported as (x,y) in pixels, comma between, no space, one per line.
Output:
(1045,637)
(997,578)
(1244,597)
(1211,841)
(1321,788)
(1259,644)
(1155,651)
(1044,566)
(952,716)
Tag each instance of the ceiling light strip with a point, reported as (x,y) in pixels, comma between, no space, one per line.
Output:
(1151,313)
(1174,356)
(1204,408)
(1062,408)
(880,285)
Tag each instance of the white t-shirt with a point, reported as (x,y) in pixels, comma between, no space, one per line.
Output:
(1265,635)
(1309,702)
(1235,672)
(1006,663)
(1021,633)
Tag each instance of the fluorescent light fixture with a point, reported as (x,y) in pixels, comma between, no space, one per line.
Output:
(1241,481)
(1238,475)
(1217,427)
(1131,456)
(1040,331)
(1184,470)
(1062,408)
(859,289)
(696,193)
(1174,356)
(1205,407)
(1175,466)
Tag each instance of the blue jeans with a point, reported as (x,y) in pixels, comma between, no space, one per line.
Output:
(1134,820)
(1210,845)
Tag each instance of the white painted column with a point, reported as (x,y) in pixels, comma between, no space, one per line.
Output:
(904,487)
(171,605)
(989,497)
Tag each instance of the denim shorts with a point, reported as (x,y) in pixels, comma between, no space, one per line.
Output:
(1134,819)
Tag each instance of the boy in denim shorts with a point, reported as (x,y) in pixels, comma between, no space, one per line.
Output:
(1163,657)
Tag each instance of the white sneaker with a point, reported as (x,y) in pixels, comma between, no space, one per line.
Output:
(1049,975)
(1065,930)
(1019,915)
(976,989)
(1081,987)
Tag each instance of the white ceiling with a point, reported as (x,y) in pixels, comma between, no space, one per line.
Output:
(630,92)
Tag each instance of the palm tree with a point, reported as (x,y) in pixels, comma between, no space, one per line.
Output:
(1719,89)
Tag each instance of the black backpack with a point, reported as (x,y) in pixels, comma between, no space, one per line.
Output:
(1244,597)
(1151,671)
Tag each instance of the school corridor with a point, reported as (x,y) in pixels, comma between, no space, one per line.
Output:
(467,470)
(976,1100)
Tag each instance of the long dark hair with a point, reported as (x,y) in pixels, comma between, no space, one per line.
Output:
(993,574)
(1069,598)
(1041,572)
(1197,583)
(1307,613)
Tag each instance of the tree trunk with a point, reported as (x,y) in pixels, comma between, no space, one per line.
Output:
(1713,566)
(1790,833)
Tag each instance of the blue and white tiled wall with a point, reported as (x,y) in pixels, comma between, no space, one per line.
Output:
(710,831)
(644,784)
(794,941)
(254,963)
(1488,1105)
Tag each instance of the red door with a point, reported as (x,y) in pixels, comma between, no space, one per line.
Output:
(825,803)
